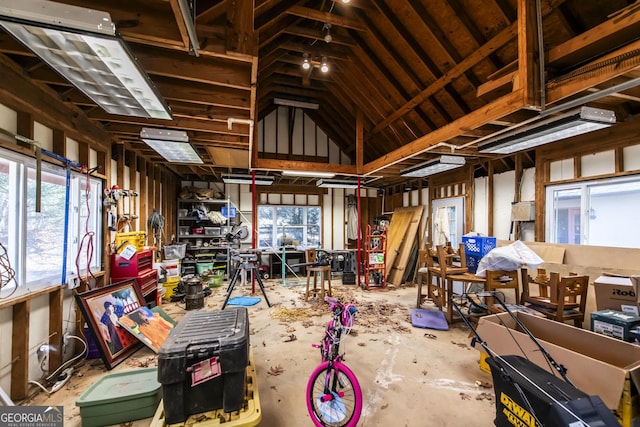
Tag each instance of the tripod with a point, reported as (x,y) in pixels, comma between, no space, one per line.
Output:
(248,263)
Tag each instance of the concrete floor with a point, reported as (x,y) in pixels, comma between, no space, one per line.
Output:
(409,376)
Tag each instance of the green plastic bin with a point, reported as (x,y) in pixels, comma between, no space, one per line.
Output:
(120,397)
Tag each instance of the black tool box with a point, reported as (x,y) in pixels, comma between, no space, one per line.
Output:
(202,364)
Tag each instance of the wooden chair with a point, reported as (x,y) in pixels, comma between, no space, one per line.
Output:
(425,273)
(321,272)
(450,274)
(499,281)
(436,285)
(566,298)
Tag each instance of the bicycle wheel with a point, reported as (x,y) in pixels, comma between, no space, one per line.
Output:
(334,397)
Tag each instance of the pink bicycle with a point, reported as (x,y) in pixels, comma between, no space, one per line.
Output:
(334,397)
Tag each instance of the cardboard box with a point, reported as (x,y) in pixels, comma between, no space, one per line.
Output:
(616,293)
(596,364)
(616,324)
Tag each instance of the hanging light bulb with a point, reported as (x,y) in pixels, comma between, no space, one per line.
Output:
(324,67)
(306,64)
(346,1)
(327,36)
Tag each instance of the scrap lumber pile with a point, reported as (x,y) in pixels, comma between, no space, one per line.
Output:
(402,236)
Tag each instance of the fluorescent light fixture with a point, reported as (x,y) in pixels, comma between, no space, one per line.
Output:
(81,45)
(173,145)
(577,122)
(310,174)
(437,165)
(309,105)
(186,10)
(336,183)
(246,179)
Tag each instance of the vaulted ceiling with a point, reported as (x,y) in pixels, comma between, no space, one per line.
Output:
(407,80)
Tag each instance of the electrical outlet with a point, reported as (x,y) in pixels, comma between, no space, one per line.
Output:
(72,281)
(43,356)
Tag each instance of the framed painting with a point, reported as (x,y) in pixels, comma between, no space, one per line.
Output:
(102,308)
(148,326)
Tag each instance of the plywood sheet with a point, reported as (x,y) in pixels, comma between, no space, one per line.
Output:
(229,157)
(549,252)
(404,236)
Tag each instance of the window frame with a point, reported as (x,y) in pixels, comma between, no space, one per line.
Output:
(583,191)
(18,209)
(275,226)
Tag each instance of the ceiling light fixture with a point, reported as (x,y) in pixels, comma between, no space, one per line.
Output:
(309,105)
(310,174)
(437,165)
(82,46)
(346,1)
(306,62)
(576,122)
(327,36)
(173,145)
(324,67)
(188,16)
(247,179)
(336,183)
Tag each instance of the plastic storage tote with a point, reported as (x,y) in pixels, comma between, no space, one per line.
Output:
(202,363)
(120,397)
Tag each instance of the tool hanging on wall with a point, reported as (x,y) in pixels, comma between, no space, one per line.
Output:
(128,215)
(111,197)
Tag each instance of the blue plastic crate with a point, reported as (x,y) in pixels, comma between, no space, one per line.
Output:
(472,262)
(477,245)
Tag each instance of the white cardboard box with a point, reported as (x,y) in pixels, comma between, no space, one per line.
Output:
(616,293)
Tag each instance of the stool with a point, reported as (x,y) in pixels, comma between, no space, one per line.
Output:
(325,275)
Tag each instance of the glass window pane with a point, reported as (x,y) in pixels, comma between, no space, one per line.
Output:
(84,235)
(45,230)
(313,235)
(290,236)
(609,206)
(5,201)
(289,215)
(313,215)
(567,216)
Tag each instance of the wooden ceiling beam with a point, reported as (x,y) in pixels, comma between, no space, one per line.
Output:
(180,22)
(213,71)
(492,111)
(187,124)
(407,37)
(269,14)
(199,93)
(270,34)
(45,105)
(615,31)
(502,38)
(240,36)
(211,13)
(622,61)
(275,165)
(333,19)
(318,36)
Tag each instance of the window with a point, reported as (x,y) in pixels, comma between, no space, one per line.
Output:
(35,241)
(593,212)
(288,225)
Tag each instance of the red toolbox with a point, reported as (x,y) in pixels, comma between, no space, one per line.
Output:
(122,268)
